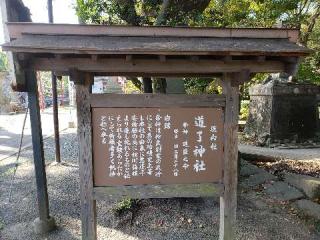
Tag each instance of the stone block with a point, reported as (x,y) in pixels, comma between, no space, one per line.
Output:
(44,226)
(257,179)
(282,111)
(309,208)
(309,185)
(248,169)
(282,191)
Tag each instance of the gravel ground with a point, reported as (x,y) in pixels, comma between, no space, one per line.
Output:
(258,217)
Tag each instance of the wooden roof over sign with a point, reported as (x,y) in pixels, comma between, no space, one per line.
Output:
(154,51)
(71,44)
(98,39)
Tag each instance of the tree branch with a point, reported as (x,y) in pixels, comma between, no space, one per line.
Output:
(127,12)
(161,19)
(304,38)
(136,82)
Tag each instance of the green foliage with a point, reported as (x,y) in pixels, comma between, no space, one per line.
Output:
(252,13)
(3,62)
(46,81)
(201,85)
(216,13)
(244,110)
(124,205)
(309,69)
(130,88)
(139,12)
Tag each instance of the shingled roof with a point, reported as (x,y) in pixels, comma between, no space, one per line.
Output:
(153,40)
(73,44)
(154,51)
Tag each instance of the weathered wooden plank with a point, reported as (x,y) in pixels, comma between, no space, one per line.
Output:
(150,67)
(37,144)
(158,191)
(228,202)
(161,45)
(156,100)
(88,204)
(17,29)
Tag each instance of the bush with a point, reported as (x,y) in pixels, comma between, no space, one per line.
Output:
(125,204)
(244,110)
(3,62)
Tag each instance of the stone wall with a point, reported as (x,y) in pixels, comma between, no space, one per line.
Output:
(10,101)
(282,111)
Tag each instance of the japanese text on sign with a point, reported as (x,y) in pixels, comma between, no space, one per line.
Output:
(144,146)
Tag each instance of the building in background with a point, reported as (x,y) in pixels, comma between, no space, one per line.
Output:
(108,85)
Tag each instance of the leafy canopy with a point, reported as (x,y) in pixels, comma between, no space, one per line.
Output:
(302,14)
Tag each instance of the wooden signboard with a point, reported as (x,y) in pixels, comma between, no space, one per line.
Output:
(151,146)
(135,146)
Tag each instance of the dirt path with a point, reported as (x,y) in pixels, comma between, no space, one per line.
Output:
(258,217)
(11,127)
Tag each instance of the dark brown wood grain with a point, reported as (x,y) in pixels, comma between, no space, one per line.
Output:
(37,144)
(88,204)
(228,202)
(18,29)
(59,44)
(156,100)
(154,67)
(158,191)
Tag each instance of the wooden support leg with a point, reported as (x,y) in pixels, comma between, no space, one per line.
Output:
(55,117)
(228,202)
(88,204)
(44,223)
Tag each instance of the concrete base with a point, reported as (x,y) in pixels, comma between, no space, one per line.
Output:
(44,226)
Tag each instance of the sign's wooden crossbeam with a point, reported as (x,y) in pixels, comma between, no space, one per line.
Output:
(117,193)
(156,100)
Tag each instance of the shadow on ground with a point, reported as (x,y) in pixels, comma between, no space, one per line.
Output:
(157,219)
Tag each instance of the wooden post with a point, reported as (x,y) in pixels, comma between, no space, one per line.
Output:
(55,117)
(228,202)
(45,223)
(54,98)
(83,83)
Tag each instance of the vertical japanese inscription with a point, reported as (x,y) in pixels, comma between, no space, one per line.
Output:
(150,145)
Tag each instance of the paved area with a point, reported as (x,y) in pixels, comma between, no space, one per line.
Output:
(259,217)
(277,153)
(11,127)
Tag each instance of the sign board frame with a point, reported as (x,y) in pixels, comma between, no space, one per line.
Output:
(157,101)
(228,101)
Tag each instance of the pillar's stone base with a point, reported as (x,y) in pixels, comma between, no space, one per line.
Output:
(44,226)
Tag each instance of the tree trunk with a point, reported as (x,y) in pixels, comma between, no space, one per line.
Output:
(147,85)
(159,85)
